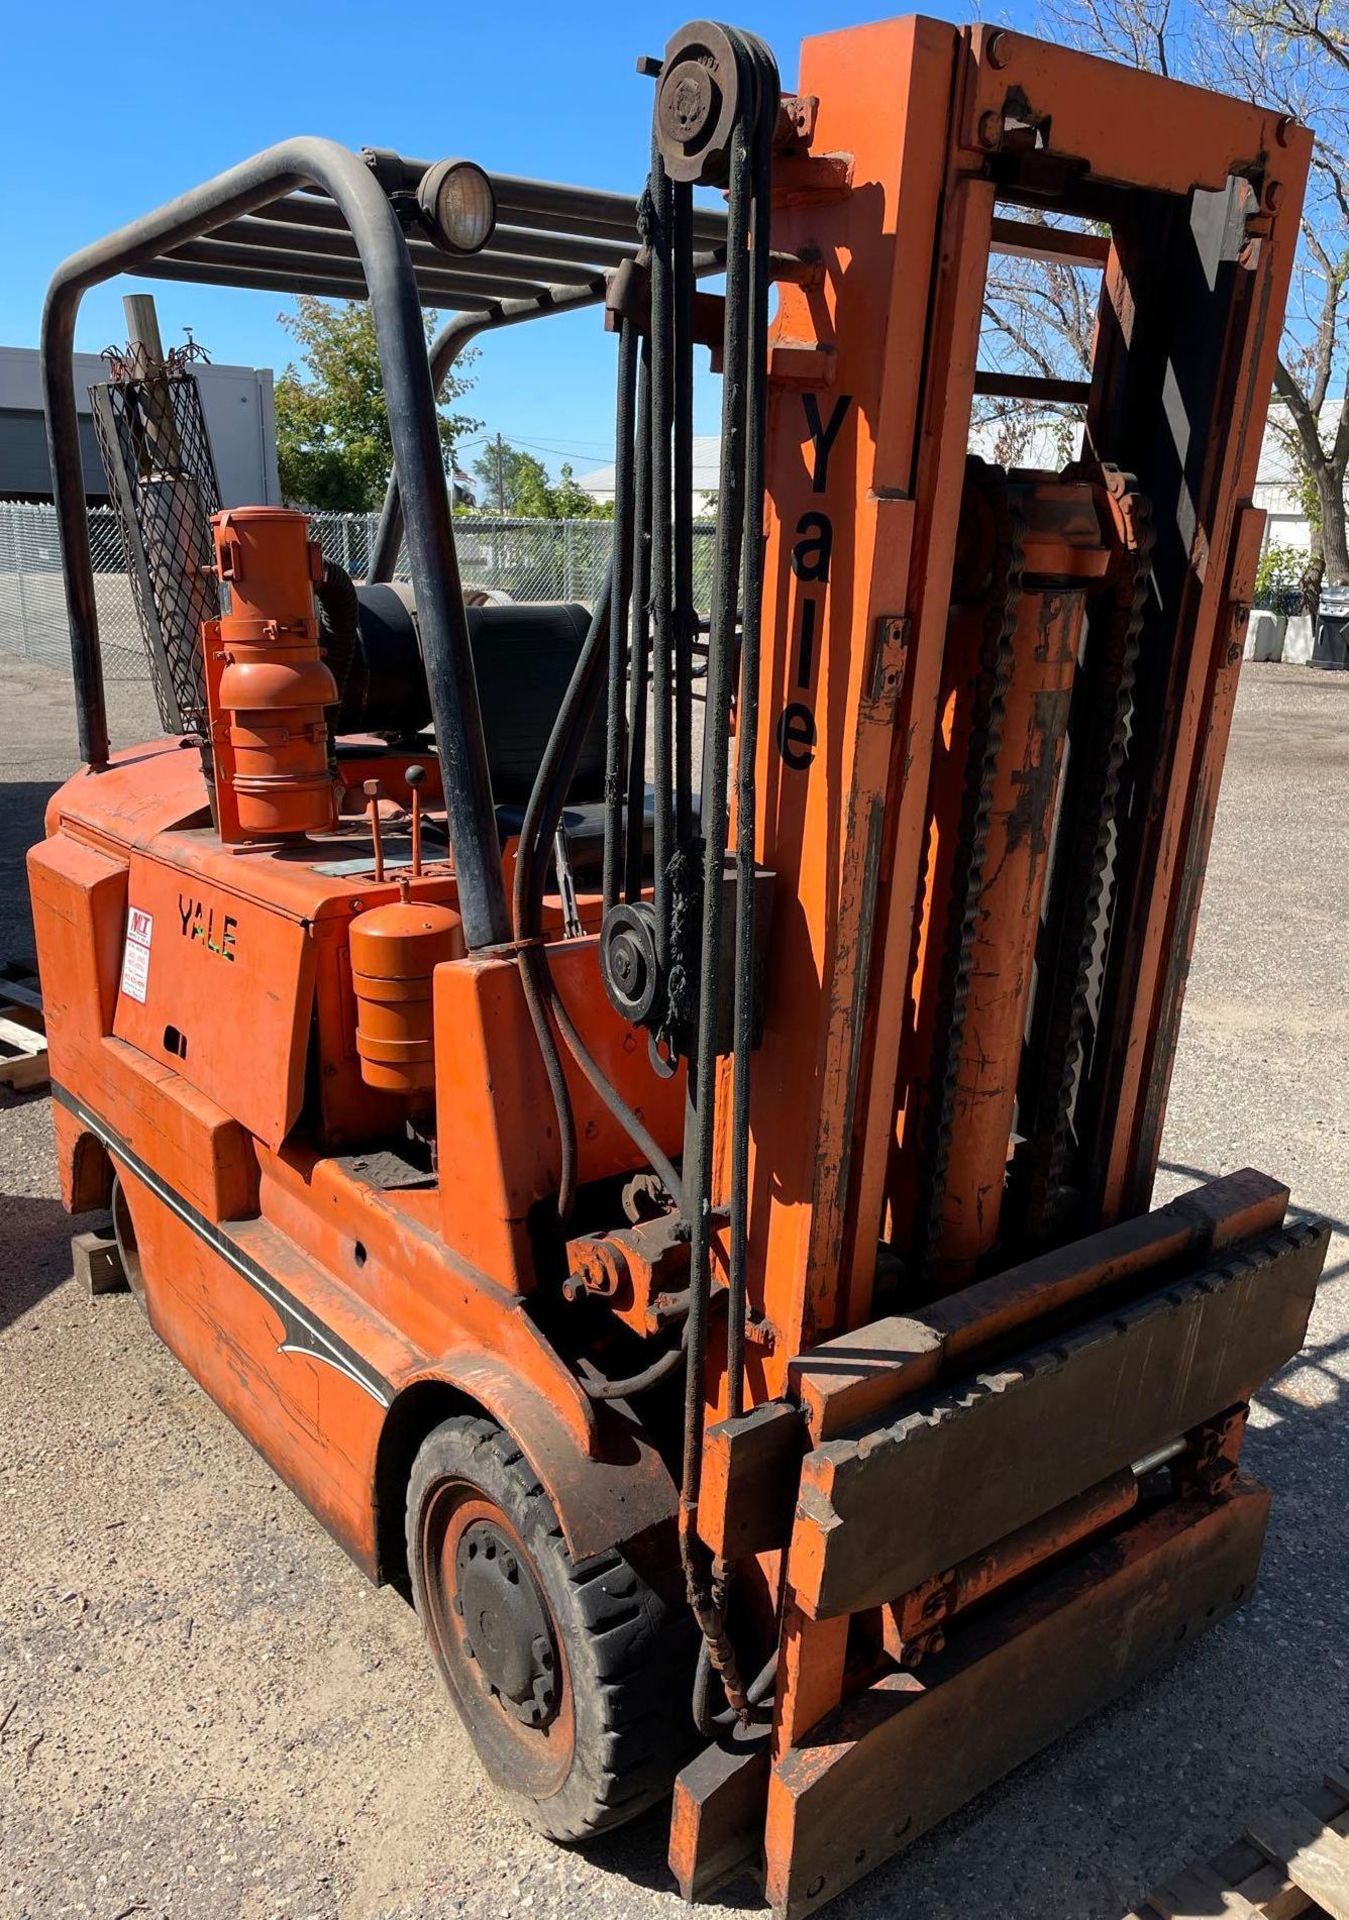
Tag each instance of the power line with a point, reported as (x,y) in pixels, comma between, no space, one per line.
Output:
(581,451)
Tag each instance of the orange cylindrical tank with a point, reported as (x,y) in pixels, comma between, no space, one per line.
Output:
(395,950)
(274,686)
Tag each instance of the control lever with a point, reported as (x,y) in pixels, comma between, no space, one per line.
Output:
(416,777)
(371,790)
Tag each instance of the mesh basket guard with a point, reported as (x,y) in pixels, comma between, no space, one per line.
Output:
(156,452)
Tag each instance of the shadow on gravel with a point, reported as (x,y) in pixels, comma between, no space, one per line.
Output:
(35,1234)
(22,805)
(1334,1270)
(636,1854)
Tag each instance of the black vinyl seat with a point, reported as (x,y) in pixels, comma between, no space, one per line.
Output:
(582,827)
(524,656)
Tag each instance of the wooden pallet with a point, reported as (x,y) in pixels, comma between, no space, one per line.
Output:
(1292,1861)
(23,1042)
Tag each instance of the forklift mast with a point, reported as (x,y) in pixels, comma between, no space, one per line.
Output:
(711,1084)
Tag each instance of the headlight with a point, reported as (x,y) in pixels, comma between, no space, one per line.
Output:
(457,205)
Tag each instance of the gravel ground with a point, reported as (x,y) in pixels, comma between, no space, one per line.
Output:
(205,1711)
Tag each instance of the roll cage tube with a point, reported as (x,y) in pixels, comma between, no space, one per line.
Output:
(395,304)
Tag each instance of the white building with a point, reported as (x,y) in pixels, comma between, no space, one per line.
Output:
(1275,488)
(240,417)
(706,471)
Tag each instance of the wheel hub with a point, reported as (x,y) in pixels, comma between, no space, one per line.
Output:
(506,1625)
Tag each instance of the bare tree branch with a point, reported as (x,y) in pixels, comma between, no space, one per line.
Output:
(1292,55)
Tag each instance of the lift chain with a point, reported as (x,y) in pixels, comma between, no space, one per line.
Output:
(1088,860)
(707,1596)
(990,699)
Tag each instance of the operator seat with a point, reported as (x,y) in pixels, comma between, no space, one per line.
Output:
(524,655)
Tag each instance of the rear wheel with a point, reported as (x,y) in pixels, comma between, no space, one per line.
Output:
(572,1677)
(124,1233)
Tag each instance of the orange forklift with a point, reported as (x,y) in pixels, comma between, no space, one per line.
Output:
(645,1113)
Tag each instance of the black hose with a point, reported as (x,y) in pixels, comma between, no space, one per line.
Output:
(544,1004)
(705,1581)
(557,769)
(534,984)
(685,613)
(626,1118)
(708,1723)
(639,636)
(700,1130)
(546,800)
(747,730)
(738,540)
(662,549)
(546,1011)
(598,1387)
(616,721)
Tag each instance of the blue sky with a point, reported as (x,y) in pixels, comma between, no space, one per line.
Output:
(105,118)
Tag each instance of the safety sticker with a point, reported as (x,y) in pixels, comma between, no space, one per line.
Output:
(136,954)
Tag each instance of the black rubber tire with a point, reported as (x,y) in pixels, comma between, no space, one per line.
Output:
(629,1652)
(128,1250)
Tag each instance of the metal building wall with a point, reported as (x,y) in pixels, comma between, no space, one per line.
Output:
(240,412)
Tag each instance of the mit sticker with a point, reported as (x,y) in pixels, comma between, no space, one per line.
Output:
(136,954)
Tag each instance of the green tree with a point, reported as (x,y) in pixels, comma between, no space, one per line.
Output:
(1279,577)
(515,482)
(333,444)
(572,502)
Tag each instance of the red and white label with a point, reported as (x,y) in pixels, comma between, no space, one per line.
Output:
(136,954)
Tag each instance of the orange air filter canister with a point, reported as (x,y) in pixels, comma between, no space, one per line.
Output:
(274,686)
(394,952)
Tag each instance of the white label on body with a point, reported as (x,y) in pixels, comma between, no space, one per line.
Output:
(136,954)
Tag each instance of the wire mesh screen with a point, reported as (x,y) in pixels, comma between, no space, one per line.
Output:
(33,621)
(521,559)
(517,559)
(157,455)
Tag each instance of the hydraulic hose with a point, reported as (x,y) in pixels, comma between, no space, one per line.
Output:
(542,814)
(616,732)
(662,548)
(705,1596)
(738,543)
(599,1387)
(759,1690)
(546,801)
(639,636)
(747,715)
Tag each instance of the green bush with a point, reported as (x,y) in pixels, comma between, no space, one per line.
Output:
(1278,579)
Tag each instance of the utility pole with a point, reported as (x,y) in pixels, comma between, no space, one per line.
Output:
(500,448)
(142,325)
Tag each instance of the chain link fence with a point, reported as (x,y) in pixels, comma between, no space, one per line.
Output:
(518,559)
(33,622)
